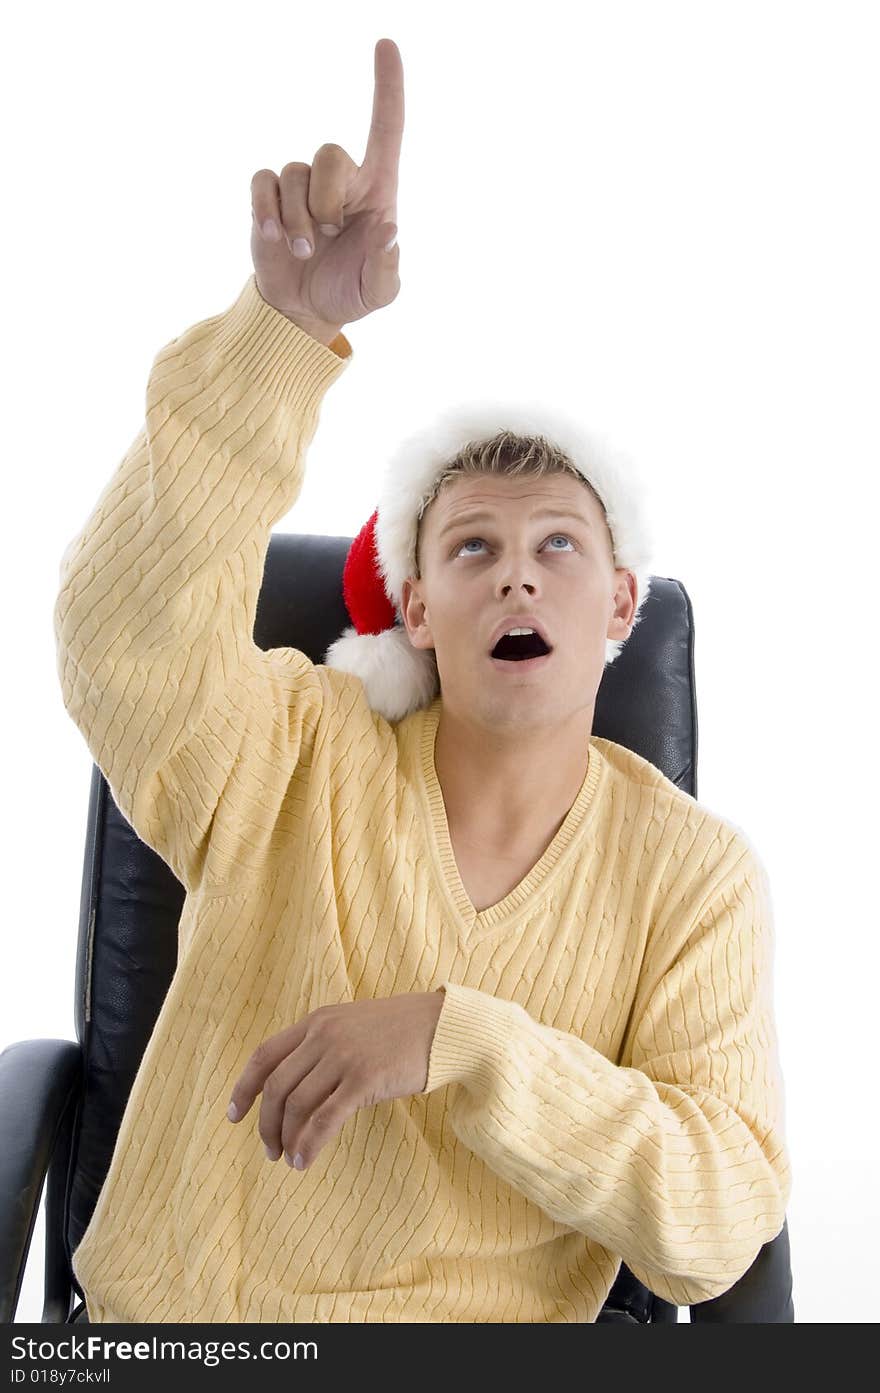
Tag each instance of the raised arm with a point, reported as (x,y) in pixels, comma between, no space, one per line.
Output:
(198,732)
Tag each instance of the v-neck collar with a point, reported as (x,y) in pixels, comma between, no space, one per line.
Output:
(473,922)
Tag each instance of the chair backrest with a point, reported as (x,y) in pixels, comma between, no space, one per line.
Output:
(131,901)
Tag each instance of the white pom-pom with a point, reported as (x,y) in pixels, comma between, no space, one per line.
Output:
(397,677)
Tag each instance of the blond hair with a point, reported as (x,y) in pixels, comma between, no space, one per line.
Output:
(509,455)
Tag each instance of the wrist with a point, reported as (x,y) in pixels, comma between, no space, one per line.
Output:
(316,329)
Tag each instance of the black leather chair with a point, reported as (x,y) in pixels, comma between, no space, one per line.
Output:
(62,1101)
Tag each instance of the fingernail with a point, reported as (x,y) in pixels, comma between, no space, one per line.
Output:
(232,1112)
(389,245)
(271,231)
(329,229)
(302,246)
(270,1153)
(299,1162)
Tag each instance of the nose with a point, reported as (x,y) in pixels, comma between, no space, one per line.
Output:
(515,576)
(515,570)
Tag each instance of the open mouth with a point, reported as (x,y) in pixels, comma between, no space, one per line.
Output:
(520,652)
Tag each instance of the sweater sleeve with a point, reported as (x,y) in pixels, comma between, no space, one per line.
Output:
(158,591)
(676,1161)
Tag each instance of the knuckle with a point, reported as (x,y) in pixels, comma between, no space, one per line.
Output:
(264,194)
(273,1089)
(325,209)
(293,1106)
(295,169)
(327,191)
(260,1056)
(358,1078)
(295,215)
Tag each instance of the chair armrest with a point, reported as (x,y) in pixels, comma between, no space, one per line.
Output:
(763,1295)
(40,1086)
(629,1301)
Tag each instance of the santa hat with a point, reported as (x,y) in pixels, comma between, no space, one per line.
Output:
(397,677)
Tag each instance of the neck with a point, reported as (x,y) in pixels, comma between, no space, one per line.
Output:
(504,785)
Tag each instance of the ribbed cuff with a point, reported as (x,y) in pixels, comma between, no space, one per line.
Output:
(267,347)
(470,1041)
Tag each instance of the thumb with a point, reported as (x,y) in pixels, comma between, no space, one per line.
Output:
(380,281)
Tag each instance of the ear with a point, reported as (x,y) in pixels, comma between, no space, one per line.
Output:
(626,598)
(415,615)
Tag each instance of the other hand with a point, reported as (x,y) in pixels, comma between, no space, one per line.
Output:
(314,1074)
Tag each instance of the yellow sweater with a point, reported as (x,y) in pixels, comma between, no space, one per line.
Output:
(604,1080)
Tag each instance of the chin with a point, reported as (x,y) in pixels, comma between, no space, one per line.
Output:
(523,707)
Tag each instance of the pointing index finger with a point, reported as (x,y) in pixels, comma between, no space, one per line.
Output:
(386,129)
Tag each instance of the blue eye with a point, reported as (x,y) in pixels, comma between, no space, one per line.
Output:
(551,538)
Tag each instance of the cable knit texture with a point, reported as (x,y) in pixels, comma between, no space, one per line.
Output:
(604,1080)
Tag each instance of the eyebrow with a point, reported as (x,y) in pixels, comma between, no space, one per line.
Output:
(482,516)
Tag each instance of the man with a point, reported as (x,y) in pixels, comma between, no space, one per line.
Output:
(496,988)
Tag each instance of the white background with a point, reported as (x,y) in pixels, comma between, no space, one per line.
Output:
(666,213)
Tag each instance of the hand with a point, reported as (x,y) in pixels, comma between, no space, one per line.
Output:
(316,1073)
(350,274)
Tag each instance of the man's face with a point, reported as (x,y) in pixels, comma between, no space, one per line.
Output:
(514,560)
